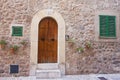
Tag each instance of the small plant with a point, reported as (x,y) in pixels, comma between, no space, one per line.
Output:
(80,49)
(2,44)
(88,45)
(24,42)
(71,40)
(14,48)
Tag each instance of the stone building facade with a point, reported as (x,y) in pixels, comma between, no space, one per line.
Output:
(77,19)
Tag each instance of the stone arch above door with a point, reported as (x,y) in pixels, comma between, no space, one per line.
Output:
(34,35)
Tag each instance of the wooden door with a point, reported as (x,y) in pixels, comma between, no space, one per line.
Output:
(47,41)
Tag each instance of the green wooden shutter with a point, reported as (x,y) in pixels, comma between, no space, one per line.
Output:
(17,31)
(103,25)
(112,26)
(107,26)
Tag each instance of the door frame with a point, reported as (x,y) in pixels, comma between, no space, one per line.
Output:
(34,38)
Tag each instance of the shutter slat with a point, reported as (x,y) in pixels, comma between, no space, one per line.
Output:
(107,26)
(111,25)
(17,31)
(103,26)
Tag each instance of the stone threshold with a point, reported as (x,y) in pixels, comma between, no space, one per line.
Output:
(70,77)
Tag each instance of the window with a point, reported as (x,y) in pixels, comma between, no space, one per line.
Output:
(17,30)
(107,26)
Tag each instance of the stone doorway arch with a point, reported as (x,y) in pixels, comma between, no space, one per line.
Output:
(34,38)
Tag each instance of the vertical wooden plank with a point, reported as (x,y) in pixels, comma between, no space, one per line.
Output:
(103,26)
(53,39)
(47,47)
(42,41)
(112,26)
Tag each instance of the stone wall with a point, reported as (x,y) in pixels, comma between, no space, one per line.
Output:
(14,12)
(79,16)
(21,58)
(100,58)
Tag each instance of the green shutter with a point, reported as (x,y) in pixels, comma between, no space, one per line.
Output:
(107,26)
(103,26)
(17,31)
(112,26)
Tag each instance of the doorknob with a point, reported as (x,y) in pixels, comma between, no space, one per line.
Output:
(52,39)
(43,39)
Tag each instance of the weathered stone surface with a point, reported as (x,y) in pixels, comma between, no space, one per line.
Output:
(116,62)
(79,16)
(1,71)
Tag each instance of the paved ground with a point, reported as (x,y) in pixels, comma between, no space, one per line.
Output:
(71,77)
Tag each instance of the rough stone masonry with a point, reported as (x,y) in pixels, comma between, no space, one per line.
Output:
(79,16)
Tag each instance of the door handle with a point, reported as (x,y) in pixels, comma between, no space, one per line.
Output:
(52,39)
(43,39)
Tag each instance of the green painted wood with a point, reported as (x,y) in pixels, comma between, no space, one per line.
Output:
(17,31)
(103,26)
(107,26)
(112,26)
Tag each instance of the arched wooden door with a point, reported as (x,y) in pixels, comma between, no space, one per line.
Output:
(47,41)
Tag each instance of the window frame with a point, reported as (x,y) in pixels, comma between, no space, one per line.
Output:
(17,34)
(107,26)
(17,26)
(97,25)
